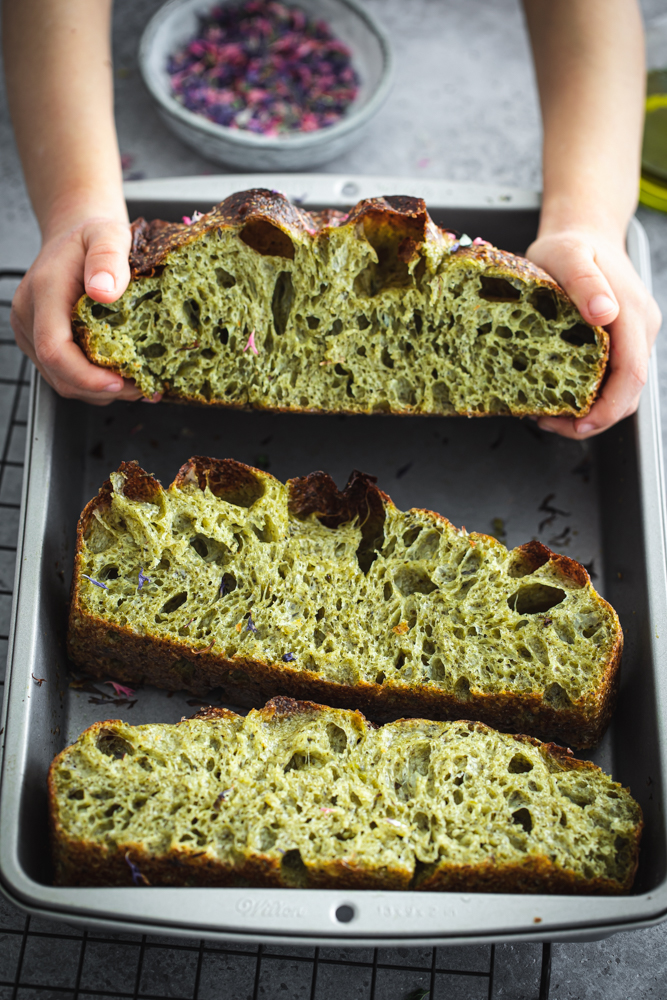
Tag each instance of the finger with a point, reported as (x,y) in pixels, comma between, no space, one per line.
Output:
(59,359)
(21,316)
(106,269)
(574,267)
(628,362)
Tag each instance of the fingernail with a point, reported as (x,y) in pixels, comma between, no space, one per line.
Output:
(585,428)
(155,398)
(113,387)
(599,305)
(102,282)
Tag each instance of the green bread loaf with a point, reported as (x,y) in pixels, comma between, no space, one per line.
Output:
(231,580)
(301,795)
(261,304)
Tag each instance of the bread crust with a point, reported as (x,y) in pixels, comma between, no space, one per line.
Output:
(174,665)
(85,863)
(152,242)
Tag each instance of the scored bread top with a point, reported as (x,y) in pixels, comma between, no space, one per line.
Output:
(231,578)
(376,310)
(298,794)
(263,215)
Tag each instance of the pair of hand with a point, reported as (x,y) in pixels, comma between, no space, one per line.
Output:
(594,270)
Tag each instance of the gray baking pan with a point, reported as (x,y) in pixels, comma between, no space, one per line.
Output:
(601,502)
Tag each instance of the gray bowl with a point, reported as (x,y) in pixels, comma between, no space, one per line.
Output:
(177,22)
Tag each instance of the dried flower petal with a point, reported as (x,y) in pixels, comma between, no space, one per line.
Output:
(251,344)
(250,627)
(289,658)
(265,67)
(221,798)
(96,582)
(401,629)
(137,877)
(465,241)
(121,690)
(143,579)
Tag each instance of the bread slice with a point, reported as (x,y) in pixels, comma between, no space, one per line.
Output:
(264,305)
(231,580)
(297,794)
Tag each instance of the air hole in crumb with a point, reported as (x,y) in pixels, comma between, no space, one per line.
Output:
(545,302)
(579,335)
(192,309)
(462,689)
(411,580)
(174,603)
(109,742)
(523,818)
(293,870)
(267,239)
(498,290)
(281,303)
(519,764)
(337,738)
(535,598)
(557,697)
(224,278)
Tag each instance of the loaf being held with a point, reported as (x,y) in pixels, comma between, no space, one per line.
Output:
(301,795)
(261,304)
(231,580)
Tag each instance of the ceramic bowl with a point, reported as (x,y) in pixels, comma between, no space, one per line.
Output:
(177,22)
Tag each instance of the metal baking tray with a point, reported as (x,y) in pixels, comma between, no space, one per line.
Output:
(601,502)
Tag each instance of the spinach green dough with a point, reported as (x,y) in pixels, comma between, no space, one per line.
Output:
(261,304)
(232,580)
(302,795)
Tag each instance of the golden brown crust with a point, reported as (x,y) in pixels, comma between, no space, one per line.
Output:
(80,863)
(176,665)
(268,221)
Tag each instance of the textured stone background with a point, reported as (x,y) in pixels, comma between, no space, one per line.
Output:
(464,107)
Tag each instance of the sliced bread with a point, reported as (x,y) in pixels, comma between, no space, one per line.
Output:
(297,794)
(261,304)
(230,579)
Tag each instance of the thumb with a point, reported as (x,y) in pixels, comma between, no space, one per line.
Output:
(106,270)
(573,266)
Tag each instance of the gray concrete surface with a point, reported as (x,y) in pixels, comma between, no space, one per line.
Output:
(464,107)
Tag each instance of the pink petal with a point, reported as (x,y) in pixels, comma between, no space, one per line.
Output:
(121,691)
(251,344)
(187,220)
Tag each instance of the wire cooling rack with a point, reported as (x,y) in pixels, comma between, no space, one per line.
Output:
(41,959)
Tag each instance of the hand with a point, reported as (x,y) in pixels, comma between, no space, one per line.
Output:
(596,273)
(90,256)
